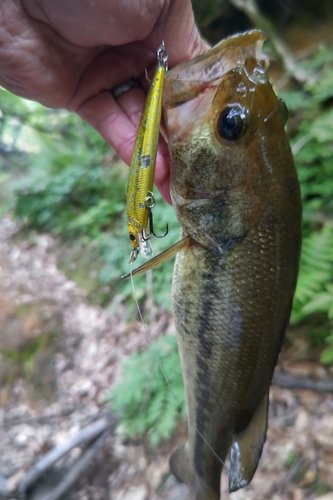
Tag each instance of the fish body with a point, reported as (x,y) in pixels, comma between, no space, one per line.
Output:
(140,199)
(236,194)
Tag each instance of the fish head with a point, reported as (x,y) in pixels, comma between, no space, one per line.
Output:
(227,141)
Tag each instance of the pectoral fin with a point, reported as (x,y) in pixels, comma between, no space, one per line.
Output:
(161,257)
(247,448)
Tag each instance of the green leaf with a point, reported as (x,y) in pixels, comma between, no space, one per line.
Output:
(321,302)
(321,128)
(295,99)
(327,355)
(313,292)
(323,89)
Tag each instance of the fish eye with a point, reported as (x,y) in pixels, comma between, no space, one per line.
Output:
(284,109)
(232,122)
(131,237)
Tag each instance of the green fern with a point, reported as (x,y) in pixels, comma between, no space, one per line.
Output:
(310,129)
(314,292)
(316,270)
(148,405)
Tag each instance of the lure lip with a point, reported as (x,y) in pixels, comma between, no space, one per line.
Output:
(134,255)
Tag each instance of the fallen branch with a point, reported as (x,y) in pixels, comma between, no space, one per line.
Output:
(72,476)
(84,435)
(287,381)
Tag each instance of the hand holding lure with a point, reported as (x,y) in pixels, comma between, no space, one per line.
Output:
(140,199)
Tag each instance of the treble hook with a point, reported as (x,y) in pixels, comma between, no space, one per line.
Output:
(150,202)
(151,227)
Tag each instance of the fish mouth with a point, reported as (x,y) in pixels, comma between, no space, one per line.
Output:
(190,78)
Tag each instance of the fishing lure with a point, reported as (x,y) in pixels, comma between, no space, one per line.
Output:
(140,198)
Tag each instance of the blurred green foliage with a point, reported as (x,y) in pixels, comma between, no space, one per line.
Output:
(208,11)
(72,185)
(148,404)
(311,132)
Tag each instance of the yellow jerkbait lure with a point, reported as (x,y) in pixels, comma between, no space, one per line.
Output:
(140,199)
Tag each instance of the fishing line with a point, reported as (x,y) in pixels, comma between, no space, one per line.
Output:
(151,345)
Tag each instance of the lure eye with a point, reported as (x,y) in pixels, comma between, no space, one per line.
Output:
(131,237)
(232,122)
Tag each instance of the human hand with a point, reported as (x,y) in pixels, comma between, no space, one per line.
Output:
(70,53)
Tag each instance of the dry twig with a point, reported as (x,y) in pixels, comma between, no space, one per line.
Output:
(97,433)
(82,436)
(74,473)
(287,381)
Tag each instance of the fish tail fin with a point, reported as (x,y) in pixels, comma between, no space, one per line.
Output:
(183,470)
(247,448)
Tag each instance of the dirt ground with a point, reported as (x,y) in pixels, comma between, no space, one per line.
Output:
(59,357)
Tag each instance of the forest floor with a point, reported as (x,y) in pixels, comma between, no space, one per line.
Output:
(59,358)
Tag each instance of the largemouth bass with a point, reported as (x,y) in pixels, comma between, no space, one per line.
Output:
(236,194)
